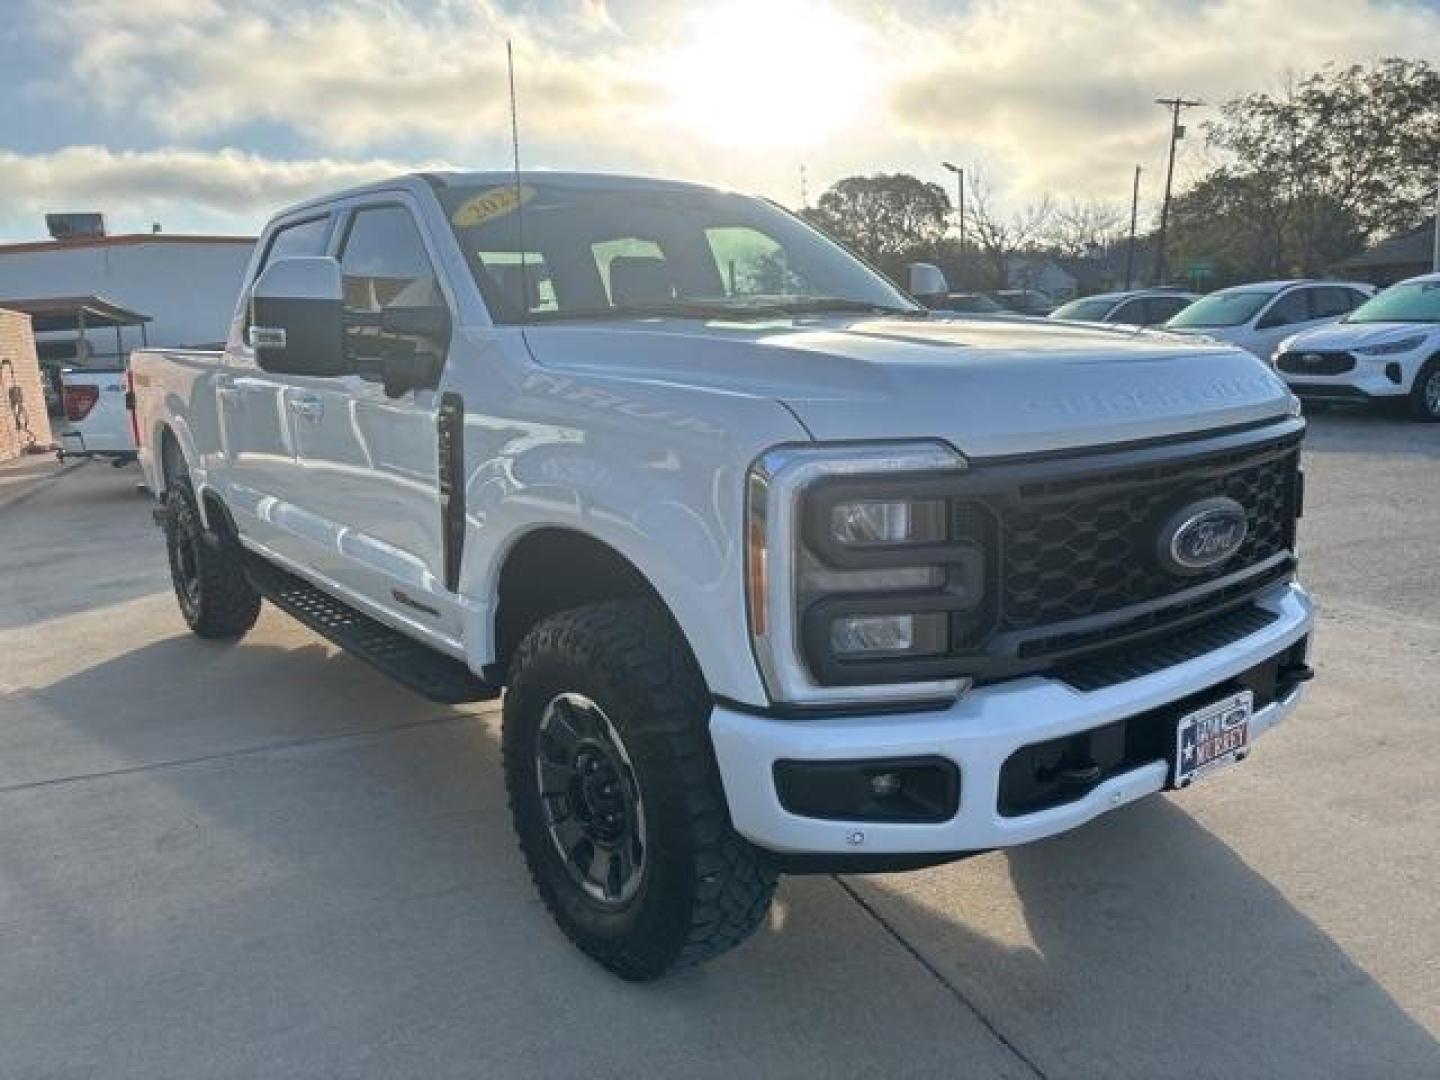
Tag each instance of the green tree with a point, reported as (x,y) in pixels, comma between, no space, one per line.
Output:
(884,218)
(1343,156)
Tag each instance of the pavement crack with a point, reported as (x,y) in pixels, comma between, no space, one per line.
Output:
(247,751)
(940,977)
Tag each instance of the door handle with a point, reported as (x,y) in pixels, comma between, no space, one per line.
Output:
(306,406)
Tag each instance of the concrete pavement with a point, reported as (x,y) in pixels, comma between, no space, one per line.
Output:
(265,860)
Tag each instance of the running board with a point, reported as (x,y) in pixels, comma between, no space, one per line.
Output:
(430,674)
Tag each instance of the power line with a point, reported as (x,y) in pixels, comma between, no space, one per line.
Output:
(1177,132)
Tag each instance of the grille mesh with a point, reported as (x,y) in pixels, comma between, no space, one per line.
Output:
(1088,546)
(1315,363)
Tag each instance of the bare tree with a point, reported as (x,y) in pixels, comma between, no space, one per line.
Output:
(1001,235)
(1084,226)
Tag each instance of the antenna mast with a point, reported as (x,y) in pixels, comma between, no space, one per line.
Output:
(519,196)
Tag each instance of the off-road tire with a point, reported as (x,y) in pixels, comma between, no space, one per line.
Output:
(704,889)
(207,569)
(1426,407)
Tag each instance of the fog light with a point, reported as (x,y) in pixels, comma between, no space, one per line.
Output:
(878,789)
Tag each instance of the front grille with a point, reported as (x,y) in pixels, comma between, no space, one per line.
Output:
(1315,363)
(1089,545)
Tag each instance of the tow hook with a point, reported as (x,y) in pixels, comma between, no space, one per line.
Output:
(1297,672)
(1077,770)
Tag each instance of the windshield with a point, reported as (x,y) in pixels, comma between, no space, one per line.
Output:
(592,251)
(1417,301)
(1222,309)
(1091,310)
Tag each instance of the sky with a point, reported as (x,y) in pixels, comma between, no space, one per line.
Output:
(206,115)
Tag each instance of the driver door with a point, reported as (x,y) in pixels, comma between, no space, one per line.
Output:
(370,459)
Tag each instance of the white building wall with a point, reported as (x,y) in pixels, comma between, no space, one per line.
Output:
(187,288)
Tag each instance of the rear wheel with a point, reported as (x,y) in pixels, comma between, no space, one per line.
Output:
(207,570)
(616,797)
(1425,394)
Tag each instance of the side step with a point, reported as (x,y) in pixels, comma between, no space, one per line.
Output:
(429,673)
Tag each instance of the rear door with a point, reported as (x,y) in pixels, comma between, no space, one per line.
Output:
(370,460)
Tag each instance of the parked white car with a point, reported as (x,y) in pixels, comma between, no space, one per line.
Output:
(1137,307)
(1387,348)
(1257,317)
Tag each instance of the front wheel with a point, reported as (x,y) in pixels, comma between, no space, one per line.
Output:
(1425,394)
(616,797)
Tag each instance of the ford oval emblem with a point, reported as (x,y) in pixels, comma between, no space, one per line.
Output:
(1202,535)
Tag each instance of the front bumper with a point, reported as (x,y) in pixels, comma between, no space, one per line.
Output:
(979,732)
(1372,377)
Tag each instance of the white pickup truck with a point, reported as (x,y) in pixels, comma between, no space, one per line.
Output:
(778,571)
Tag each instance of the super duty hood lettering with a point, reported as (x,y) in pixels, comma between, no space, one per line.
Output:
(990,389)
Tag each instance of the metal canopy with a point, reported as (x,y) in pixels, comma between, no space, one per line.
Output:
(56,313)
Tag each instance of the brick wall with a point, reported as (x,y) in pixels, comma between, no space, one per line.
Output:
(23,421)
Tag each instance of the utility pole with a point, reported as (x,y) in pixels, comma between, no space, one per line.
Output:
(1177,132)
(1130,247)
(804,190)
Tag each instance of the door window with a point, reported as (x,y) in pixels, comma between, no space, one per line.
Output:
(1132,313)
(1333,301)
(390,286)
(751,263)
(302,238)
(1293,307)
(1161,309)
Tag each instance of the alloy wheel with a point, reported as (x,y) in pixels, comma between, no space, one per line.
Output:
(590,799)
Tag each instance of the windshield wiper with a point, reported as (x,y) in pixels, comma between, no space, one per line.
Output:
(729,309)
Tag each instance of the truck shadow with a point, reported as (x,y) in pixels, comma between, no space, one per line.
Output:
(341,851)
(1144,946)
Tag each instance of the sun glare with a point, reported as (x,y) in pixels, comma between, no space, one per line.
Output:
(767,74)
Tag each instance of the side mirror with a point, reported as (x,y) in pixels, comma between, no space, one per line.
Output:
(926,279)
(297,322)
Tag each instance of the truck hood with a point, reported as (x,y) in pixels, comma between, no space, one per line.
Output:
(990,388)
(1354,335)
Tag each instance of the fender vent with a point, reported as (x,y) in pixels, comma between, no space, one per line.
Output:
(450,425)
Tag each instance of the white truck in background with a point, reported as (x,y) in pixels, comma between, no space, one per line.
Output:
(97,420)
(777,570)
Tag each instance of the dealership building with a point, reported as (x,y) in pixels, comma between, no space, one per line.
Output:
(94,297)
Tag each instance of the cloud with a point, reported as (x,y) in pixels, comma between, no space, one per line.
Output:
(1059,94)
(347,74)
(1049,95)
(226,185)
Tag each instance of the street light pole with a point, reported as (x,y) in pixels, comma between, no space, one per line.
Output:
(1177,133)
(959,198)
(1435,246)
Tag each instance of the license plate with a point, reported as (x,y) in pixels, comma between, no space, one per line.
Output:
(1212,737)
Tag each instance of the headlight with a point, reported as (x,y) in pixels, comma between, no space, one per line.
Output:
(875,523)
(1390,348)
(862,573)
